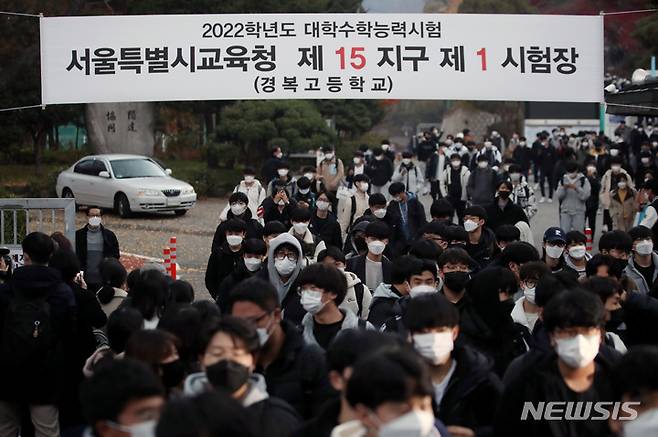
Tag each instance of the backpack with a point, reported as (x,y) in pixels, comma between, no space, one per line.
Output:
(362,324)
(27,334)
(358,291)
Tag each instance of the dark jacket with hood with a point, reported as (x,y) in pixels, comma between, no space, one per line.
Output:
(327,229)
(287,291)
(416,219)
(254,228)
(472,393)
(110,245)
(509,215)
(382,306)
(298,375)
(36,380)
(271,211)
(239,274)
(482,252)
(380,171)
(535,378)
(221,263)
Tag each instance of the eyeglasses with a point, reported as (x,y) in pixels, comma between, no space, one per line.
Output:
(292,256)
(257,319)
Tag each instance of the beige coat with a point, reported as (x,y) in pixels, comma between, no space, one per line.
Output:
(623,213)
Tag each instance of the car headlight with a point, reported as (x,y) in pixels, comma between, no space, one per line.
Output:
(146,192)
(189,190)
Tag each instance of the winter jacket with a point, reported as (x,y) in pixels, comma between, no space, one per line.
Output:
(437,164)
(511,214)
(287,291)
(493,156)
(522,323)
(256,194)
(623,213)
(311,245)
(472,394)
(350,209)
(410,176)
(298,375)
(632,272)
(416,219)
(239,274)
(547,158)
(357,265)
(381,307)
(117,300)
(592,202)
(524,196)
(328,230)
(350,321)
(536,378)
(358,297)
(569,263)
(482,184)
(572,201)
(609,182)
(290,185)
(220,264)
(446,182)
(36,381)
(332,173)
(484,249)
(380,171)
(254,229)
(272,212)
(110,245)
(641,319)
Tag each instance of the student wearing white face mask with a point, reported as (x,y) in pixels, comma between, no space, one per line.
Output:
(572,192)
(642,267)
(352,208)
(575,254)
(555,240)
(254,190)
(409,174)
(623,205)
(609,182)
(324,223)
(311,243)
(373,267)
(238,207)
(304,196)
(225,258)
(284,178)
(322,289)
(466,389)
(254,251)
(285,260)
(93,243)
(526,311)
(575,372)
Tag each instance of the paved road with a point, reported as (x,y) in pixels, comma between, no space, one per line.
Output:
(147,234)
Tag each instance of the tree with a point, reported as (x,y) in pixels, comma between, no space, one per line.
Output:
(646,31)
(352,117)
(255,125)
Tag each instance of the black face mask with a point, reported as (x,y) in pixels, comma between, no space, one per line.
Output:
(456,281)
(503,194)
(228,375)
(620,264)
(172,373)
(616,319)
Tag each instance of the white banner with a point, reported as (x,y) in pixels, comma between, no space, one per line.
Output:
(315,56)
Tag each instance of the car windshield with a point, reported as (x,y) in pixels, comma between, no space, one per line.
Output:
(136,168)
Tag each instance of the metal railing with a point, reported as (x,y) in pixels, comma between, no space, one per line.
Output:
(19,217)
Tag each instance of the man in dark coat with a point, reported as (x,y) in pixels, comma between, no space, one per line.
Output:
(93,244)
(405,215)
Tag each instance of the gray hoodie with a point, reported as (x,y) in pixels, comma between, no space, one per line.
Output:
(282,288)
(197,383)
(384,290)
(637,277)
(572,201)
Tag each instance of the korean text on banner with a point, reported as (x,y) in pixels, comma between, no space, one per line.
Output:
(310,56)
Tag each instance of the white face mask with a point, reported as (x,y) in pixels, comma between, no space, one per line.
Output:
(312,301)
(304,190)
(280,202)
(263,335)
(470,225)
(616,168)
(644,247)
(554,251)
(406,161)
(614,152)
(515,177)
(578,351)
(249,179)
(621,185)
(284,266)
(385,147)
(282,172)
(234,240)
(522,143)
(644,425)
(379,213)
(357,161)
(456,164)
(329,156)
(591,169)
(421,289)
(483,164)
(529,294)
(279,155)
(376,247)
(415,423)
(577,252)
(645,160)
(363,186)
(238,208)
(322,206)
(309,176)
(143,429)
(300,228)
(94,221)
(252,264)
(435,347)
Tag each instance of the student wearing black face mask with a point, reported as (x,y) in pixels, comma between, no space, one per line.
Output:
(229,355)
(609,291)
(504,211)
(159,350)
(617,244)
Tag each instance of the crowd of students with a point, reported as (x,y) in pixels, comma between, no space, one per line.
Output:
(340,308)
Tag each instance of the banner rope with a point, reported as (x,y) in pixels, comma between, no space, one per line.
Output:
(17,108)
(19,14)
(638,11)
(632,106)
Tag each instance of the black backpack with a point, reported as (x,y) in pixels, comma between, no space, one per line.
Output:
(27,334)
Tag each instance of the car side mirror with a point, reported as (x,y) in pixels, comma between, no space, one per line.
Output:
(104,174)
(168,171)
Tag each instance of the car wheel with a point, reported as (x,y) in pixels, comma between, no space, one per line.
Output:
(180,212)
(68,194)
(122,206)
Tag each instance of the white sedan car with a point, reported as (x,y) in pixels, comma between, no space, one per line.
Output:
(126,183)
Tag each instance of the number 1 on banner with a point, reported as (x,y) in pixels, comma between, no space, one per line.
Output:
(483,54)
(354,56)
